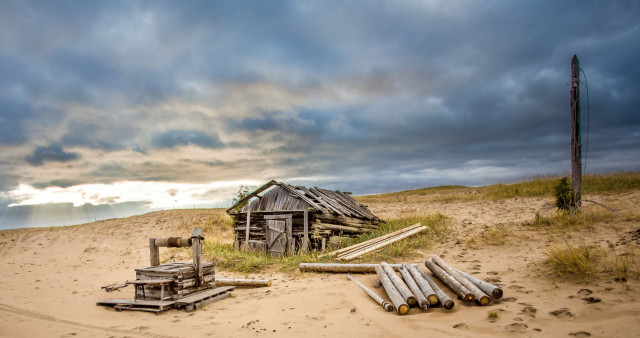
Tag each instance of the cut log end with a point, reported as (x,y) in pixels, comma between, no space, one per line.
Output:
(433,299)
(403,309)
(497,293)
(388,307)
(424,305)
(448,304)
(484,300)
(469,297)
(412,301)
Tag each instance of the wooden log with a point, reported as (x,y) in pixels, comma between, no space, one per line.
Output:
(451,282)
(398,302)
(444,299)
(340,268)
(371,241)
(255,283)
(386,306)
(336,227)
(402,288)
(494,291)
(248,226)
(480,296)
(425,288)
(415,289)
(382,244)
(154,252)
(173,242)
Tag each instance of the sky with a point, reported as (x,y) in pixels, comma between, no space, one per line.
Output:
(115,108)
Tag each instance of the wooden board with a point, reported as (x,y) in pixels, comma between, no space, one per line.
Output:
(197,300)
(276,237)
(155,306)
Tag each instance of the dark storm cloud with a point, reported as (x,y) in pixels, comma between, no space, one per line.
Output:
(50,153)
(173,138)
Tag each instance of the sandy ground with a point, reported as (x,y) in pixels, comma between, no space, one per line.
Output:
(51,279)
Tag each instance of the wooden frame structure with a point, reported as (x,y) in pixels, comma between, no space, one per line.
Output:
(283,219)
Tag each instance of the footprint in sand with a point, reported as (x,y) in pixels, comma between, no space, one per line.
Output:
(562,313)
(592,300)
(584,292)
(516,327)
(530,310)
(580,334)
(460,326)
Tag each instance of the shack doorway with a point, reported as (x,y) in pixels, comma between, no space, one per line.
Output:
(279,235)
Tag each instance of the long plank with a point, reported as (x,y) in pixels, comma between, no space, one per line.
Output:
(383,244)
(349,248)
(202,295)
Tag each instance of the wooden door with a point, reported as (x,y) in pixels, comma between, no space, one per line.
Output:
(276,237)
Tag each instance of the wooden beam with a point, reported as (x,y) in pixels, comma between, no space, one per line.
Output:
(386,306)
(451,282)
(305,237)
(341,268)
(254,193)
(246,236)
(392,292)
(576,134)
(480,296)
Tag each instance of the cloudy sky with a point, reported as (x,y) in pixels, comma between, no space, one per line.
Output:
(114,108)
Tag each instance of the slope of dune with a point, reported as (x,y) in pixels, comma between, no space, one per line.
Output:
(51,279)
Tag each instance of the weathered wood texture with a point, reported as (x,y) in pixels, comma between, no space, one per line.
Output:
(254,283)
(576,133)
(444,299)
(386,306)
(425,288)
(317,214)
(398,302)
(493,291)
(183,276)
(451,282)
(381,244)
(373,241)
(413,286)
(402,288)
(341,268)
(479,296)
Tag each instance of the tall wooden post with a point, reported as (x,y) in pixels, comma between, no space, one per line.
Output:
(576,142)
(196,248)
(154,252)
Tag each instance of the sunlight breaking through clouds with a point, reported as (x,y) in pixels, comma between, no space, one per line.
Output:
(157,194)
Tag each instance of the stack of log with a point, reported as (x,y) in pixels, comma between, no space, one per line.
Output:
(466,286)
(414,287)
(183,276)
(357,250)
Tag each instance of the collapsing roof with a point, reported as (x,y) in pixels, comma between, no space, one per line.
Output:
(288,197)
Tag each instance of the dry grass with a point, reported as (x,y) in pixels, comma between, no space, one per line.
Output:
(541,185)
(584,263)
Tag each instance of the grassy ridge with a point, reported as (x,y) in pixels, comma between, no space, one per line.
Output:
(541,185)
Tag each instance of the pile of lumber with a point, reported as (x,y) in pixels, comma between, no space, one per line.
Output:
(466,286)
(357,250)
(183,276)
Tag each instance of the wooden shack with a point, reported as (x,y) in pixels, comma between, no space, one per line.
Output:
(283,219)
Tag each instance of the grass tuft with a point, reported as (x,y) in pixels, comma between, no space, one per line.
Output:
(574,262)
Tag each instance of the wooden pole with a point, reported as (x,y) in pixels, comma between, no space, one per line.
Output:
(490,289)
(451,282)
(415,289)
(446,302)
(355,247)
(576,142)
(392,292)
(386,306)
(154,252)
(305,238)
(255,283)
(480,296)
(425,288)
(196,247)
(382,244)
(341,268)
(399,284)
(246,236)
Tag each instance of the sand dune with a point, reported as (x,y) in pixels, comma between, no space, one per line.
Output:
(51,279)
